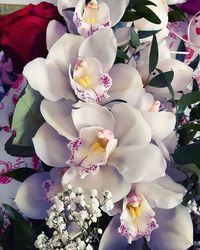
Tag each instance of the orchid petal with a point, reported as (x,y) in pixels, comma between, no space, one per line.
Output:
(126,83)
(31,197)
(139,163)
(93,115)
(45,77)
(92,47)
(175,230)
(65,52)
(123,35)
(135,131)
(50,146)
(55,30)
(58,115)
(162,193)
(116,11)
(107,178)
(161,123)
(145,101)
(112,240)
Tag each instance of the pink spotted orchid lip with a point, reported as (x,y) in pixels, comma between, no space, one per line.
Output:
(88,156)
(89,82)
(137,218)
(91,18)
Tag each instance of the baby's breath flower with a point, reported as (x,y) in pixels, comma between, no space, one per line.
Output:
(70,207)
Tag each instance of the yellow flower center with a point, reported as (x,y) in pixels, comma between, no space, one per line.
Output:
(82,76)
(163,2)
(135,211)
(91,12)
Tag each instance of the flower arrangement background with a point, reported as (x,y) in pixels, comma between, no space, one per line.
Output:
(100,132)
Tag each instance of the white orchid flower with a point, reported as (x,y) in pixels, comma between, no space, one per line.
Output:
(92,16)
(151,210)
(97,146)
(77,66)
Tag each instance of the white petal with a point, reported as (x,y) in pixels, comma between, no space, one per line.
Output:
(116,11)
(162,193)
(161,123)
(92,47)
(139,163)
(123,35)
(50,146)
(31,197)
(112,240)
(145,101)
(107,178)
(58,115)
(65,52)
(55,30)
(130,128)
(126,83)
(182,76)
(44,76)
(93,115)
(171,142)
(175,230)
(63,4)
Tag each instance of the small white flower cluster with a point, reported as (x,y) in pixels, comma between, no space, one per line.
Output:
(73,218)
(193,207)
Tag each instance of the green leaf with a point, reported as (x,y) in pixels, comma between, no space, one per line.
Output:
(193,126)
(162,80)
(25,232)
(130,16)
(153,58)
(194,63)
(189,98)
(147,13)
(142,2)
(188,154)
(27,117)
(175,16)
(16,150)
(135,40)
(181,48)
(146,33)
(122,55)
(178,10)
(20,174)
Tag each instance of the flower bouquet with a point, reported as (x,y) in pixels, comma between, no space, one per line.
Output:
(104,127)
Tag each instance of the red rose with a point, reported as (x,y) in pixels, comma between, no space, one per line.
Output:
(23,33)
